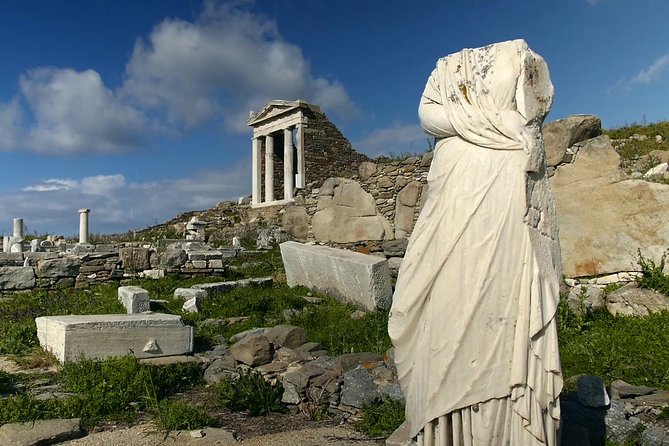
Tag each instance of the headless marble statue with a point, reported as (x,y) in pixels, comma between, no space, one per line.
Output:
(473,315)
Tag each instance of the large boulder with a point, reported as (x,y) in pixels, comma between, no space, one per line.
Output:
(296,222)
(604,216)
(347,214)
(561,134)
(17,278)
(405,209)
(630,300)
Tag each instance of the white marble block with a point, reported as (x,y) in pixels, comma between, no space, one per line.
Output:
(351,277)
(102,336)
(134,299)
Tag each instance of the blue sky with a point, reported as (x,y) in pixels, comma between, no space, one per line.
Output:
(137,109)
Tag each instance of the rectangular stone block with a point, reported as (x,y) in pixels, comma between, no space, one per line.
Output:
(204,255)
(101,336)
(134,299)
(11,259)
(351,277)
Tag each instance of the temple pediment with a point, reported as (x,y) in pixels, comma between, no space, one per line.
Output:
(278,108)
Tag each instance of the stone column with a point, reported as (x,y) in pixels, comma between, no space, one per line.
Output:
(5,244)
(18,228)
(288,176)
(83,225)
(301,166)
(269,168)
(256,175)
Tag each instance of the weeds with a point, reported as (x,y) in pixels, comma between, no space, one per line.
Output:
(5,381)
(174,415)
(331,325)
(652,275)
(380,419)
(250,392)
(116,388)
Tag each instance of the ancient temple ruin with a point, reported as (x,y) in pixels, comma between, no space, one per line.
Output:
(294,145)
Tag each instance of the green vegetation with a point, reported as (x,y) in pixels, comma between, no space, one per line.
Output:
(629,348)
(17,315)
(117,389)
(634,149)
(123,389)
(381,418)
(653,276)
(330,324)
(173,415)
(5,381)
(250,392)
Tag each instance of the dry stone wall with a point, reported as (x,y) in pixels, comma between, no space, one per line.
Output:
(385,196)
(81,268)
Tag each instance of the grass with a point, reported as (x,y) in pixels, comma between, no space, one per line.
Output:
(174,415)
(633,150)
(381,418)
(250,392)
(17,315)
(116,389)
(629,348)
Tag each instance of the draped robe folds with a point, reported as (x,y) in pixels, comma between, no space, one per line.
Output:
(473,315)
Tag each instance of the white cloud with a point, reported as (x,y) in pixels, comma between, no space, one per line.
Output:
(104,185)
(225,63)
(52,185)
(397,139)
(74,112)
(651,73)
(117,204)
(11,117)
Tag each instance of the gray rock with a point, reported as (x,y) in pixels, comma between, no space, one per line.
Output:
(287,336)
(563,133)
(359,388)
(630,300)
(618,427)
(296,222)
(366,169)
(248,333)
(172,258)
(393,391)
(40,432)
(654,436)
(252,351)
(62,267)
(591,391)
(395,248)
(621,390)
(290,394)
(17,278)
(405,209)
(192,305)
(220,369)
(134,259)
(585,298)
(189,293)
(352,360)
(300,375)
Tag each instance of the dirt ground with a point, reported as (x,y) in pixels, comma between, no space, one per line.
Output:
(147,435)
